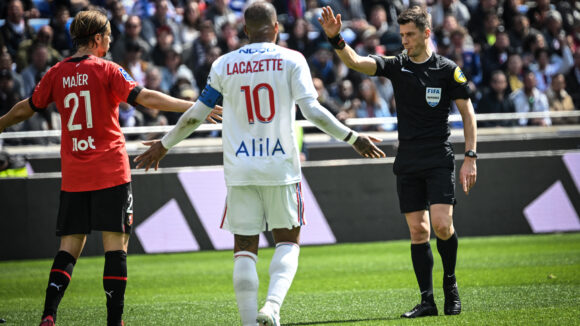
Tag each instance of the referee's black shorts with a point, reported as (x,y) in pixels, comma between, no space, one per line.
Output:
(109,209)
(419,190)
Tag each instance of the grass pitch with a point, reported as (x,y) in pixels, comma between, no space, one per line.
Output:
(515,280)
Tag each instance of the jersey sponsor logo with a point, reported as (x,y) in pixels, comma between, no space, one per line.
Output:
(260,147)
(82,145)
(250,51)
(433,96)
(126,75)
(459,76)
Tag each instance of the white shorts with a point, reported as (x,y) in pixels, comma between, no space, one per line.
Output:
(251,210)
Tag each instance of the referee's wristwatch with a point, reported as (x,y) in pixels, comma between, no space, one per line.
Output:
(471,153)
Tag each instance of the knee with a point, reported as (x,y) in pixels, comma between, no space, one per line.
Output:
(443,230)
(419,232)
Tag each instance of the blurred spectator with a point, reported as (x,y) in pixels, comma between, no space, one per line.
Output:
(496,100)
(228,39)
(373,106)
(532,43)
(165,39)
(487,36)
(495,57)
(546,67)
(152,117)
(370,43)
(196,53)
(130,117)
(514,72)
(520,31)
(560,100)
(189,27)
(299,40)
(324,98)
(530,99)
(454,8)
(133,63)
(6,64)
(321,65)
(7,95)
(44,36)
(32,74)
(15,28)
(378,19)
(118,18)
(476,24)
(160,18)
(573,80)
(202,71)
(61,40)
(174,69)
(554,34)
(132,33)
(537,13)
(346,100)
(219,12)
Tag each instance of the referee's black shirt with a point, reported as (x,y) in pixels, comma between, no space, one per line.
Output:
(423,93)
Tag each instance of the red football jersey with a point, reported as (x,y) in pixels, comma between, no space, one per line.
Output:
(87,92)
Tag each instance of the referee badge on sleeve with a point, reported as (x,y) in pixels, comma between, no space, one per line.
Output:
(433,96)
(459,76)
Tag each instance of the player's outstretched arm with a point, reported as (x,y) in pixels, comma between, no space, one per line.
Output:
(186,124)
(331,26)
(19,112)
(163,102)
(364,145)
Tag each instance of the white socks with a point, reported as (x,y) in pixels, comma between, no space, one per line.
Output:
(246,286)
(282,270)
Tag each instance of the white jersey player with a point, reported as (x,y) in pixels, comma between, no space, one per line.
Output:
(260,84)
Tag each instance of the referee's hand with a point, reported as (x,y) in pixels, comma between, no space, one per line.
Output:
(365,146)
(468,174)
(153,155)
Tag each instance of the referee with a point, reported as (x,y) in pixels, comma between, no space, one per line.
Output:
(425,84)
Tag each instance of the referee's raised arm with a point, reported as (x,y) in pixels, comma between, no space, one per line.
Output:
(332,25)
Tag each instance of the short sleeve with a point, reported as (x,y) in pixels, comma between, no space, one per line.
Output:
(302,86)
(42,95)
(121,83)
(458,84)
(385,65)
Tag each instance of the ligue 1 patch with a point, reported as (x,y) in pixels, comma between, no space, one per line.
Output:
(126,75)
(459,76)
(433,96)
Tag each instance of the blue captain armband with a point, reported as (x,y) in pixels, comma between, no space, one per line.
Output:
(209,96)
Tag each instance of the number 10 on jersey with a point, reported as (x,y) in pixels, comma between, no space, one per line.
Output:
(256,108)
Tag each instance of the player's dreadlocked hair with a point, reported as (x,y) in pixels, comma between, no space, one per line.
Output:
(415,15)
(87,24)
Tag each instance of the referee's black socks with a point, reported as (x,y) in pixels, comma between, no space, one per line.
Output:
(114,283)
(60,275)
(422,258)
(448,251)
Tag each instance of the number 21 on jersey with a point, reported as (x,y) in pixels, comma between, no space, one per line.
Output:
(254,94)
(72,100)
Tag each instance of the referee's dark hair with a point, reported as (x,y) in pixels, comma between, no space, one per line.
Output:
(86,25)
(416,15)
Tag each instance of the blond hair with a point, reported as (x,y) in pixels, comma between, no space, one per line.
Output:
(86,25)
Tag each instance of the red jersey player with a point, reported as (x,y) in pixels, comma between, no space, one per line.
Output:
(96,182)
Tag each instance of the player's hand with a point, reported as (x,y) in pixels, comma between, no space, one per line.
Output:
(215,114)
(468,174)
(153,155)
(365,146)
(330,24)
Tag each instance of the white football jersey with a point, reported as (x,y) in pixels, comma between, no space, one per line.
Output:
(260,84)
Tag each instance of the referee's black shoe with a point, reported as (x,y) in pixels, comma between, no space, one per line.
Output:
(452,302)
(421,310)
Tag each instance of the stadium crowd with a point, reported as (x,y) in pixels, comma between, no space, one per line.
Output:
(519,56)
